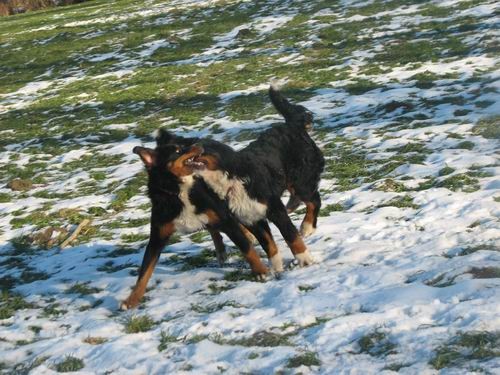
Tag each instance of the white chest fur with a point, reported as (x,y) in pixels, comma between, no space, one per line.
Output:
(188,221)
(246,209)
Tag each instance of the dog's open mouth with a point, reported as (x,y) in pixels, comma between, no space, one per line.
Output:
(194,162)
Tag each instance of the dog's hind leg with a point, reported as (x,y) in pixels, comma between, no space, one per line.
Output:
(276,212)
(293,203)
(310,221)
(158,239)
(220,249)
(263,234)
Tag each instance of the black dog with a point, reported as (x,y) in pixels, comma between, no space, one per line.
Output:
(183,202)
(252,180)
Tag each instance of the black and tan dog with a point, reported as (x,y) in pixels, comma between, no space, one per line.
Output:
(182,202)
(253,179)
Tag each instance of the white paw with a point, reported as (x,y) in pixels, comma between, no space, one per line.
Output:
(304,259)
(262,277)
(306,229)
(277,263)
(123,306)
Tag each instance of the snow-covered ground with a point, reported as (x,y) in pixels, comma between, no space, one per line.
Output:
(407,246)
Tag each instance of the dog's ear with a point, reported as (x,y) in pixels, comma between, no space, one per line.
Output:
(148,155)
(163,137)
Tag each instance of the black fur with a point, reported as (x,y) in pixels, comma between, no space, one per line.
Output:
(283,157)
(165,182)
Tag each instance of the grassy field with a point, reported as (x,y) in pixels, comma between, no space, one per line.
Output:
(406,101)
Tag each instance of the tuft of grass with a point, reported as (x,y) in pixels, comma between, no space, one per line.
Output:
(376,344)
(26,367)
(304,359)
(329,208)
(166,340)
(217,289)
(198,261)
(395,366)
(82,289)
(465,145)
(400,202)
(485,272)
(52,310)
(483,247)
(468,346)
(134,237)
(5,197)
(238,275)
(30,276)
(361,86)
(70,364)
(488,128)
(391,185)
(199,237)
(210,308)
(253,355)
(94,340)
(109,267)
(460,182)
(10,303)
(136,324)
(306,288)
(446,171)
(263,339)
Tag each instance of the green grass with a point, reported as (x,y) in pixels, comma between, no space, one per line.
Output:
(198,261)
(70,364)
(390,184)
(52,311)
(446,171)
(465,145)
(141,323)
(166,340)
(82,289)
(260,339)
(376,344)
(460,182)
(488,128)
(10,303)
(238,275)
(405,201)
(304,359)
(329,208)
(466,347)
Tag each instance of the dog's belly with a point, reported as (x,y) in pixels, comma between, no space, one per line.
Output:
(246,209)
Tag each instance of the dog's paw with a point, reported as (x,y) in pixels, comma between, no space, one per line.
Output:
(306,229)
(128,304)
(262,277)
(304,259)
(277,263)
(221,258)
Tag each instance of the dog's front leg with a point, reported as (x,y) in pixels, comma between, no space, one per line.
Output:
(220,249)
(158,239)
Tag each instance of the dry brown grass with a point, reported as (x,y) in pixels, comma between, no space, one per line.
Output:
(8,7)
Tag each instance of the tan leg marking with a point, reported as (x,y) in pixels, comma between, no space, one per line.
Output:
(307,228)
(151,258)
(251,238)
(255,263)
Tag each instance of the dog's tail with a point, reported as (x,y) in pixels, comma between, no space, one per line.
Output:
(294,114)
